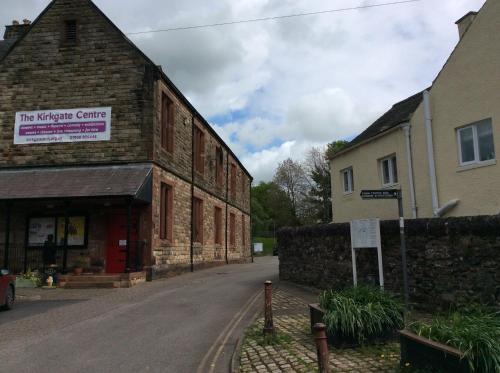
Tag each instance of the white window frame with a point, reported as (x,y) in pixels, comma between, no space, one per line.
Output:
(391,182)
(350,180)
(475,141)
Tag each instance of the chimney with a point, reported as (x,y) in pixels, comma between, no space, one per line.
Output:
(465,22)
(16,30)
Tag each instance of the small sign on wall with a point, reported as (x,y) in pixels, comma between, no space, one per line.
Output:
(59,126)
(258,247)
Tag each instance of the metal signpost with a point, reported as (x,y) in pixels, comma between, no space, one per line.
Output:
(366,234)
(394,194)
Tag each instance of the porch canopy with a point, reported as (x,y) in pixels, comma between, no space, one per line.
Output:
(132,182)
(77,182)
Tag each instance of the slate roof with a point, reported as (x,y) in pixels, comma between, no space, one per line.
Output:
(398,114)
(74,182)
(5,46)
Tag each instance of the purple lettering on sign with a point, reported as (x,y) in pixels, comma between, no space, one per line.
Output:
(62,128)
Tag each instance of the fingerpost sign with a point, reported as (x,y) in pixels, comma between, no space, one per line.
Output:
(394,194)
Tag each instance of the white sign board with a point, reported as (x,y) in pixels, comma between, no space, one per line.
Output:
(58,126)
(258,247)
(365,234)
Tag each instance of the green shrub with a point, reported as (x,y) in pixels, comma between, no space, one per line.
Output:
(361,313)
(474,331)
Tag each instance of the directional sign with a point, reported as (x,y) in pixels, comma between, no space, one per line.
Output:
(380,194)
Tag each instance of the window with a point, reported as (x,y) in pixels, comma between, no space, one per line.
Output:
(218,226)
(198,220)
(219,166)
(167,123)
(233,180)
(243,185)
(347,180)
(199,150)
(475,143)
(70,31)
(166,212)
(40,228)
(243,231)
(232,230)
(389,171)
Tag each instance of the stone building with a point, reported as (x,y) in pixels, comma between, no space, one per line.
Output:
(102,155)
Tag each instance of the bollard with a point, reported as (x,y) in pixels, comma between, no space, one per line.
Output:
(322,347)
(268,309)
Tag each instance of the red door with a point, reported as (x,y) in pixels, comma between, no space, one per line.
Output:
(116,257)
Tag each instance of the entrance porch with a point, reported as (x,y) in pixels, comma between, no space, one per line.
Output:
(105,235)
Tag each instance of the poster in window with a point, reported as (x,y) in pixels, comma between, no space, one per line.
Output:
(40,229)
(76,231)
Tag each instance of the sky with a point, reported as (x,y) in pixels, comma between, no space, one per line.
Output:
(272,90)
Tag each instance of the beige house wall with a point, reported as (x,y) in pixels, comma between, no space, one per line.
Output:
(467,90)
(367,175)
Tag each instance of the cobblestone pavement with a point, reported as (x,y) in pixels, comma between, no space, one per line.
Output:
(294,349)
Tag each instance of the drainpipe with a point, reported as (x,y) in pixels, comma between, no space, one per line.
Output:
(430,153)
(227,200)
(407,131)
(191,249)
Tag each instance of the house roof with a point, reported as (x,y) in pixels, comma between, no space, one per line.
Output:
(398,114)
(75,182)
(5,46)
(158,70)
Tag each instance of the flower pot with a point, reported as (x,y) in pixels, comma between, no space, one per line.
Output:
(25,283)
(77,271)
(426,354)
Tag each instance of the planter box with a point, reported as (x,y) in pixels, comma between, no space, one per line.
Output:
(424,353)
(24,283)
(316,315)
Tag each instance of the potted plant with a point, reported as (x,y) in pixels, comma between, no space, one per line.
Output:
(97,265)
(78,265)
(462,341)
(359,315)
(29,279)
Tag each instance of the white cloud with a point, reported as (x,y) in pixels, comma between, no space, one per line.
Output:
(300,81)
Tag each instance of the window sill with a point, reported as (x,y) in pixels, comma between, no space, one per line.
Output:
(348,194)
(391,186)
(477,165)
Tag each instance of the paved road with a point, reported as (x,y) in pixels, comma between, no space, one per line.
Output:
(185,324)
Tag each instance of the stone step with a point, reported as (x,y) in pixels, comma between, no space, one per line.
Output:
(92,278)
(92,285)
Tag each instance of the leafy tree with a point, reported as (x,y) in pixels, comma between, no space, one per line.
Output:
(271,208)
(334,147)
(319,196)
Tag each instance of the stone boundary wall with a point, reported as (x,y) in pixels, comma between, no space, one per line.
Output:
(453,260)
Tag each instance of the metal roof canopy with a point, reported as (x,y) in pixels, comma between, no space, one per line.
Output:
(77,182)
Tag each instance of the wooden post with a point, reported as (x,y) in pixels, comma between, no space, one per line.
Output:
(7,236)
(268,309)
(65,242)
(129,235)
(322,348)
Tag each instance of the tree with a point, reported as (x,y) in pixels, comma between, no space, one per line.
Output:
(292,179)
(334,147)
(319,196)
(271,208)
